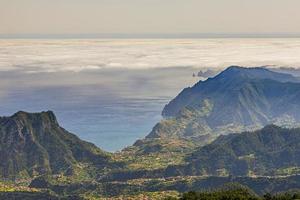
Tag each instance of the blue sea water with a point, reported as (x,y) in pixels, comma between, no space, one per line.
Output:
(109,114)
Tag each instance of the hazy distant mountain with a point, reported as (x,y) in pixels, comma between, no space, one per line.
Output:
(207,73)
(240,98)
(287,70)
(33,143)
(232,81)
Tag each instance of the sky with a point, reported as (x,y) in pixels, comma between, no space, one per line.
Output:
(19,17)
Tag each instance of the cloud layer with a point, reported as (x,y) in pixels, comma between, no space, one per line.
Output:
(33,56)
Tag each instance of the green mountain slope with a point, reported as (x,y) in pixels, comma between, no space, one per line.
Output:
(238,99)
(271,151)
(32,144)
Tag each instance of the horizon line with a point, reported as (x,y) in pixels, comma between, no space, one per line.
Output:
(149,35)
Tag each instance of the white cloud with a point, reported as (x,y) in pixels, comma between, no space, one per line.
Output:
(34,56)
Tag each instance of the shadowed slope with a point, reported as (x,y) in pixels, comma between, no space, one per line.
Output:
(33,143)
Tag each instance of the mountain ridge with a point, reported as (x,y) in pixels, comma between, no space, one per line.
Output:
(269,152)
(266,152)
(239,100)
(236,100)
(233,75)
(34,144)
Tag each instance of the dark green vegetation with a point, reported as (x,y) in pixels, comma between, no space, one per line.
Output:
(230,191)
(11,191)
(205,141)
(236,192)
(270,151)
(27,195)
(33,144)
